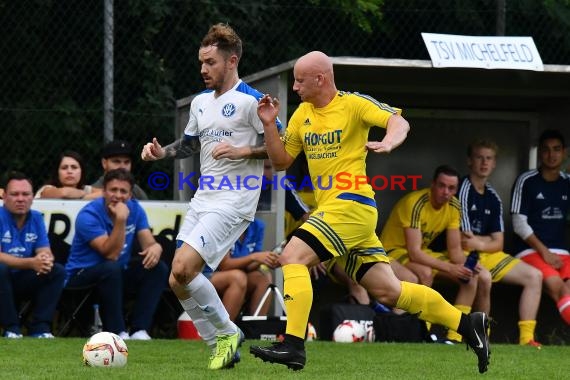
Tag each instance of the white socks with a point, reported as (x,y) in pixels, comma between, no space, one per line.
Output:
(205,328)
(207,310)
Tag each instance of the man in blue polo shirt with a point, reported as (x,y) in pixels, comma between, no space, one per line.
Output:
(100,254)
(27,268)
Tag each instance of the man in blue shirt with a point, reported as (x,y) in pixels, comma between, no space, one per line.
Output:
(540,204)
(105,230)
(483,231)
(27,268)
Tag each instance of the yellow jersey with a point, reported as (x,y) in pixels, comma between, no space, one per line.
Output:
(333,139)
(414,210)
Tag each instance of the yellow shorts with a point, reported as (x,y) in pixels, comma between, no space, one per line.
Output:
(498,263)
(329,266)
(348,236)
(401,255)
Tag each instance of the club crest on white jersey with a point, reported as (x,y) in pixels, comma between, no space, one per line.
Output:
(228,110)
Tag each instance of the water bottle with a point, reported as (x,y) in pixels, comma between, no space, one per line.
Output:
(97,326)
(471,262)
(279,247)
(380,308)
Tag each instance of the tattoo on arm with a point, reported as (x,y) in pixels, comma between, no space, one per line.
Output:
(259,152)
(183,147)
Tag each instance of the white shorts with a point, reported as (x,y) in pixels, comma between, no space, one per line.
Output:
(211,233)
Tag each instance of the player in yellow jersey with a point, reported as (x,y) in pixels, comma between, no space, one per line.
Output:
(416,220)
(332,127)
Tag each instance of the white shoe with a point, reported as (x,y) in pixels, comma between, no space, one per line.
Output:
(45,335)
(12,335)
(124,335)
(140,335)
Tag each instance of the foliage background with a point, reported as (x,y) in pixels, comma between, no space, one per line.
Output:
(51,58)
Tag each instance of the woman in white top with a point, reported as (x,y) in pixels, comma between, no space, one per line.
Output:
(68,180)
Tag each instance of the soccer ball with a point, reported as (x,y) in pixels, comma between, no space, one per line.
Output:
(311,332)
(370,333)
(349,331)
(105,349)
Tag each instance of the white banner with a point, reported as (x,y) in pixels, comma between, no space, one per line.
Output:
(447,50)
(164,218)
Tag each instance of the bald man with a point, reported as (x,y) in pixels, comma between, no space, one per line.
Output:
(331,127)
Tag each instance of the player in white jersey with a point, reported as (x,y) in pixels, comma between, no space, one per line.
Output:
(225,128)
(226,122)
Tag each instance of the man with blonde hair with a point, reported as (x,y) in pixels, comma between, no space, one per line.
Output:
(482,230)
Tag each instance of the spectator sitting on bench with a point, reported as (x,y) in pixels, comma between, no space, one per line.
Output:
(482,229)
(118,154)
(416,220)
(67,180)
(105,230)
(248,256)
(26,262)
(539,208)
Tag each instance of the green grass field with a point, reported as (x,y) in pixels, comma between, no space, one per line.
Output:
(178,359)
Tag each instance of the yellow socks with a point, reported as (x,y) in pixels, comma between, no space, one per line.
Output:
(526,331)
(428,304)
(298,297)
(452,334)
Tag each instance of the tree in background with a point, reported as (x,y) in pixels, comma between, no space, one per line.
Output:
(52,58)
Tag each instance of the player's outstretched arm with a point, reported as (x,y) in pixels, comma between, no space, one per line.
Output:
(267,110)
(396,132)
(181,148)
(152,151)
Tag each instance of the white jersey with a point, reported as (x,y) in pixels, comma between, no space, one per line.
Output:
(232,118)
